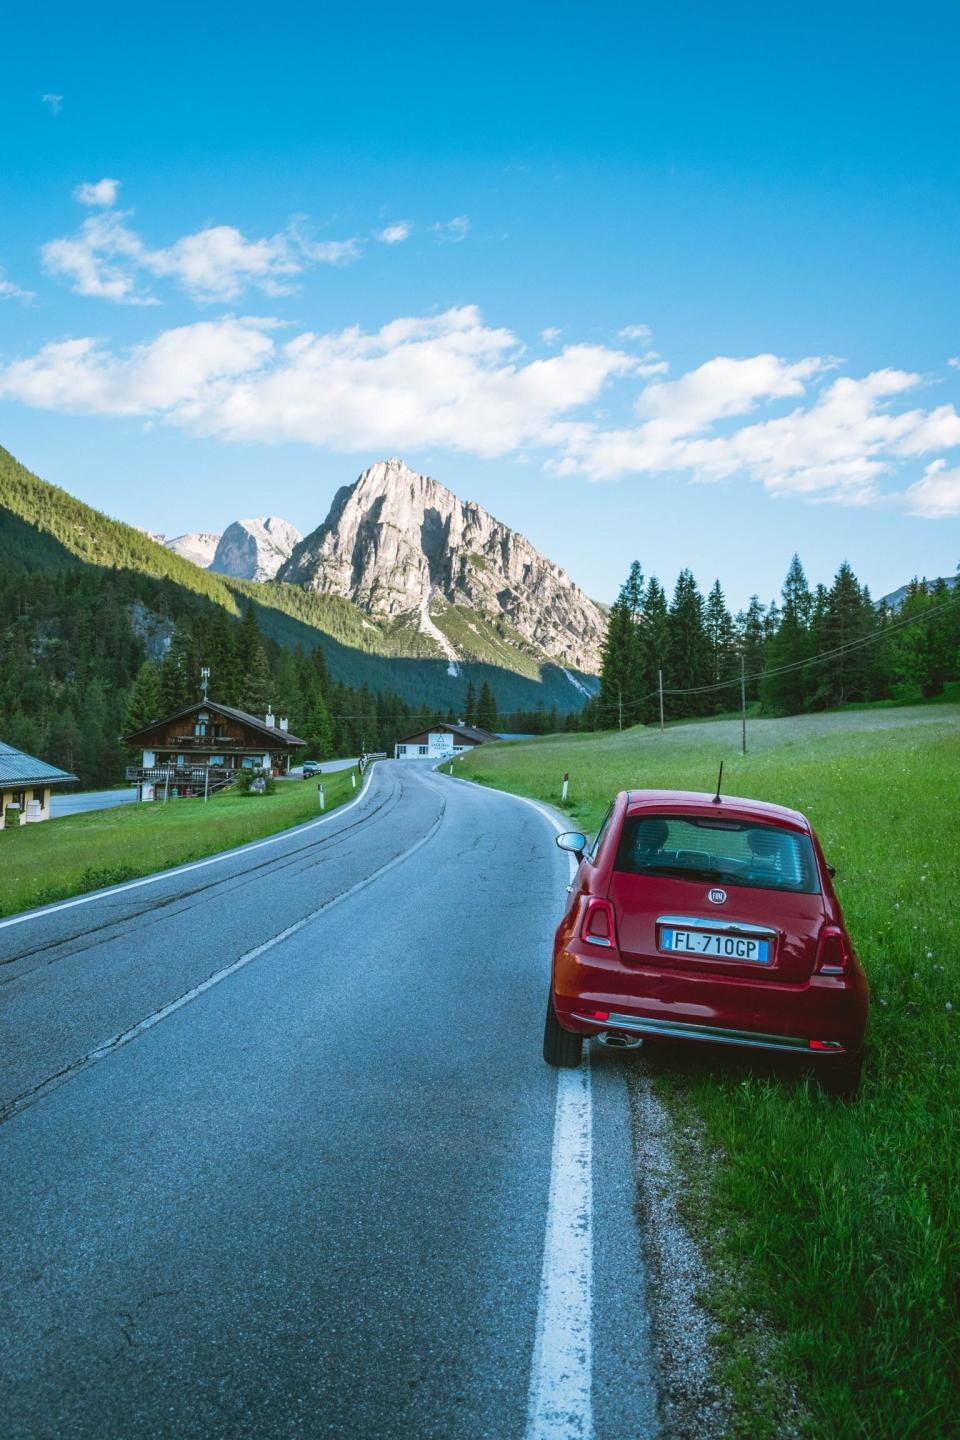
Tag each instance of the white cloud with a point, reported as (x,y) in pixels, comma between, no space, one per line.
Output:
(452,230)
(724,387)
(550,335)
(450,380)
(54,101)
(109,260)
(954,361)
(937,495)
(635,332)
(443,380)
(394,234)
(838,447)
(171,372)
(9,291)
(102,193)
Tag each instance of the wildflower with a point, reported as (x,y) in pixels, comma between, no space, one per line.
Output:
(949,1006)
(929,954)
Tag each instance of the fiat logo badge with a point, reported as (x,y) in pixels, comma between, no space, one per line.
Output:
(717,896)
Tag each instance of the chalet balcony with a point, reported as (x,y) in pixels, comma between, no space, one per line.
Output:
(181,774)
(204,742)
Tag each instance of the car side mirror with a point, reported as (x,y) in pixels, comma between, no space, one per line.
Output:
(831,871)
(573,841)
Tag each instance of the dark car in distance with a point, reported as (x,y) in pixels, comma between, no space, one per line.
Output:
(705,919)
(310,769)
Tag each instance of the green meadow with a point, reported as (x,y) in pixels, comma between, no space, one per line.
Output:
(837,1225)
(61,858)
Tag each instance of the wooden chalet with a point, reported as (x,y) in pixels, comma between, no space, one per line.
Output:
(203,747)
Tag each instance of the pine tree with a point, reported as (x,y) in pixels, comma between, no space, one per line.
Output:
(486,709)
(318,729)
(470,705)
(752,644)
(621,674)
(721,639)
(785,690)
(655,648)
(178,685)
(143,701)
(689,648)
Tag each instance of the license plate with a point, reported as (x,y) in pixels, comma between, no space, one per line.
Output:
(718,947)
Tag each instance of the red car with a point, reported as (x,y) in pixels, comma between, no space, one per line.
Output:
(700,918)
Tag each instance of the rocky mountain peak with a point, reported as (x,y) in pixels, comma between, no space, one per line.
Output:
(255,549)
(197,546)
(396,541)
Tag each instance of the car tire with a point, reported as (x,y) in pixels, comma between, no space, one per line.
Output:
(562,1048)
(842,1080)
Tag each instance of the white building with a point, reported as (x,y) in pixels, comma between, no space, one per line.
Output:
(441,740)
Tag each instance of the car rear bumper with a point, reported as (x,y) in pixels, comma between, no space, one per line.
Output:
(714,1034)
(824,1016)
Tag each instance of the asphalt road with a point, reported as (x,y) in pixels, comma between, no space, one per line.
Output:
(90,800)
(335,1191)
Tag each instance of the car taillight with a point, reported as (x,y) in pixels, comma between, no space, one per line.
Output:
(833,953)
(598,923)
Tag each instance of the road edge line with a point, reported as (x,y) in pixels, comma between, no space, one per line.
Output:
(40,911)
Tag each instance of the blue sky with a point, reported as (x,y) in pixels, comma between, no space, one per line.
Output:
(677,283)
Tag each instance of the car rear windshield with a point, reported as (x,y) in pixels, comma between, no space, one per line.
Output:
(731,852)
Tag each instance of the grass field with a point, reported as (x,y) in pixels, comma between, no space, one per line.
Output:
(840,1225)
(60,858)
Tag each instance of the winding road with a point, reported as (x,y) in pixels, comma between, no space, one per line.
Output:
(279,1156)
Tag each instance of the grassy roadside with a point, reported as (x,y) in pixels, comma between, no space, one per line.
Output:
(69,856)
(839,1224)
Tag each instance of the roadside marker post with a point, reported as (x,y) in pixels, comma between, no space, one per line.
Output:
(320,796)
(353,779)
(566,785)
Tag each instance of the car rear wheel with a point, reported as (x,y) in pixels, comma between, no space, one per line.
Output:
(561,1047)
(842,1079)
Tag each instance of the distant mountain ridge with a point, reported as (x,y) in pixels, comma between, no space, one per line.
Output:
(896,597)
(45,529)
(398,543)
(247,549)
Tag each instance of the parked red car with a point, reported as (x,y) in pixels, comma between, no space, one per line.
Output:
(700,918)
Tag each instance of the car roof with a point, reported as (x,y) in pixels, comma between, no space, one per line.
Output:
(701,801)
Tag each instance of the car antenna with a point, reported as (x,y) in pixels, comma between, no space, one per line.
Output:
(716,798)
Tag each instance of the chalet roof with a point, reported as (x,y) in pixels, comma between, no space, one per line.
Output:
(466,732)
(254,722)
(17,768)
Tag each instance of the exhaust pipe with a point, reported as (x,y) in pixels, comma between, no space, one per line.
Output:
(616,1041)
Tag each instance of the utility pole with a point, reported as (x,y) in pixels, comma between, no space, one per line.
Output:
(620,703)
(660,683)
(743,705)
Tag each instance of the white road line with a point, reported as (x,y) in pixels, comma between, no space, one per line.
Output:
(559,1405)
(125,1036)
(185,869)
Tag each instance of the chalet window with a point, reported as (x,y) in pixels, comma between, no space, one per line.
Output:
(423,749)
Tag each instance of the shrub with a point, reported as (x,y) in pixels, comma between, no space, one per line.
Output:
(12,817)
(256,782)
